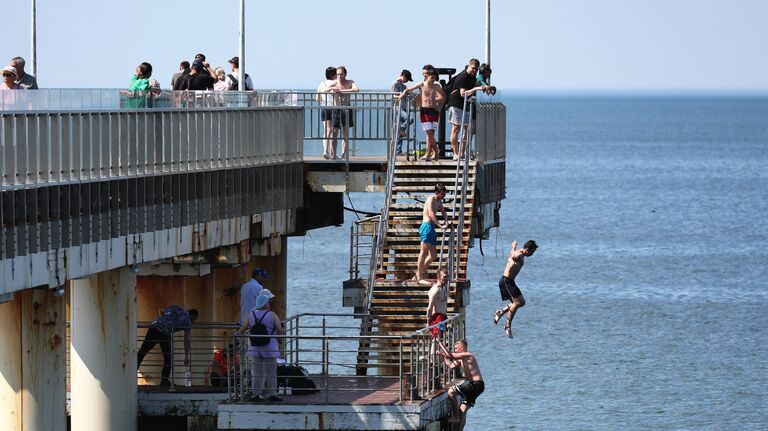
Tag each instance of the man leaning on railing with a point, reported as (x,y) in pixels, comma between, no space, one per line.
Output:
(172,319)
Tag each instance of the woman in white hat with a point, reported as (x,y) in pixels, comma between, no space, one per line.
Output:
(264,357)
(9,79)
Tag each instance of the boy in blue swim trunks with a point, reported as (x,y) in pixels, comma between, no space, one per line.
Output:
(427,232)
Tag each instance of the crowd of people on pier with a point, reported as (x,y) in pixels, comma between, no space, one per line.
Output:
(430,97)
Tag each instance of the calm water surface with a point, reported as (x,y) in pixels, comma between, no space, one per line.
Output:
(647,297)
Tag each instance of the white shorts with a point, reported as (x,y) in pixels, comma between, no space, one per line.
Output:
(429,125)
(456,116)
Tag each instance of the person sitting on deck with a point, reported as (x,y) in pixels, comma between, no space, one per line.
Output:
(172,319)
(427,233)
(470,388)
(220,365)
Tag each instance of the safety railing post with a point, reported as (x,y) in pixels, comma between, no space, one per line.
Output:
(173,363)
(400,368)
(325,367)
(352,249)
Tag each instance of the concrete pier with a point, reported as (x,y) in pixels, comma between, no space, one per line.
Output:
(103,351)
(33,362)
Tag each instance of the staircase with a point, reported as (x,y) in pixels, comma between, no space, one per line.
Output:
(398,305)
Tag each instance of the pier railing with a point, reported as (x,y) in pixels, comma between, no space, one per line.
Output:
(322,344)
(325,345)
(86,182)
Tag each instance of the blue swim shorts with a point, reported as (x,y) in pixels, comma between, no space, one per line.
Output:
(427,233)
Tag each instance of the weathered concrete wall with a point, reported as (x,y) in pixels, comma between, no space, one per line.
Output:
(10,365)
(103,351)
(33,362)
(43,360)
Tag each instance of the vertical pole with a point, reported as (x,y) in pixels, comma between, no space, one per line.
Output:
(241,69)
(34,38)
(488,32)
(103,352)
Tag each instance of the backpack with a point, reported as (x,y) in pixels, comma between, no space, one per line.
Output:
(448,86)
(297,378)
(234,82)
(259,328)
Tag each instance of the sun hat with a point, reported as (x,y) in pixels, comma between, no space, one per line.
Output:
(264,296)
(10,69)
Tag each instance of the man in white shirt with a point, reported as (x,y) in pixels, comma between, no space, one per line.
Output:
(250,291)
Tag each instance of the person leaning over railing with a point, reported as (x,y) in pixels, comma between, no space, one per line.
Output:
(263,355)
(172,319)
(141,89)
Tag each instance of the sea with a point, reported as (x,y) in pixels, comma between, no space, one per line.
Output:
(647,298)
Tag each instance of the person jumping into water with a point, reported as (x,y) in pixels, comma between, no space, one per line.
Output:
(508,288)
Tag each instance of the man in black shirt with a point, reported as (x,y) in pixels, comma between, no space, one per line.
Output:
(464,85)
(196,79)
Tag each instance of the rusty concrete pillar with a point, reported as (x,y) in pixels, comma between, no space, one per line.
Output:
(103,352)
(10,365)
(33,362)
(44,365)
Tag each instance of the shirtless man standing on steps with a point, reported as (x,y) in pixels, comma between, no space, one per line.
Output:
(432,98)
(469,389)
(508,288)
(427,232)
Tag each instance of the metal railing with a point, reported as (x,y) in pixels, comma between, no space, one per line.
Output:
(491,131)
(361,235)
(455,234)
(377,243)
(321,344)
(372,112)
(207,340)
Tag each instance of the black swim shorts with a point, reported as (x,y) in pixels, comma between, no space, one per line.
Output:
(470,390)
(508,289)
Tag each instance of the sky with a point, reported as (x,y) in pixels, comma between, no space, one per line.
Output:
(536,45)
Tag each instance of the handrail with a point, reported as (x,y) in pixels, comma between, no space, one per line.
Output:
(382,229)
(464,182)
(320,349)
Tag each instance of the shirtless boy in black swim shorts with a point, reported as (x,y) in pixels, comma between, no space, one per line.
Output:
(507,287)
(469,389)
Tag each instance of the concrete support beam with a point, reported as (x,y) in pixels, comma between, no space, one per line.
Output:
(44,365)
(10,365)
(103,352)
(33,362)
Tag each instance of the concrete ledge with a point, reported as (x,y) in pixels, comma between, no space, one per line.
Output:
(318,417)
(179,404)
